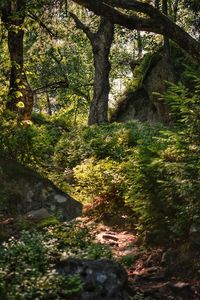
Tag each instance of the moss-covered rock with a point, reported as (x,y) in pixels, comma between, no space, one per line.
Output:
(24,192)
(141,100)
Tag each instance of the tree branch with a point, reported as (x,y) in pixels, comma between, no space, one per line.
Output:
(51,87)
(38,20)
(82,26)
(156,22)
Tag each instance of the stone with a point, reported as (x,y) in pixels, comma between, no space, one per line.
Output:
(143,102)
(169,257)
(60,198)
(194,235)
(103,279)
(183,290)
(25,192)
(109,237)
(38,215)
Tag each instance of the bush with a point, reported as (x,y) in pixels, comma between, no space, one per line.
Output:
(27,263)
(153,170)
(99,178)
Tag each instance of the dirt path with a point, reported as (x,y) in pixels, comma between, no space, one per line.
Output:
(145,269)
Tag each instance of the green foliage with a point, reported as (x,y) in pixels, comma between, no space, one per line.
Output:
(101,178)
(152,170)
(113,140)
(70,235)
(140,296)
(31,144)
(73,239)
(128,260)
(97,251)
(51,220)
(23,142)
(27,263)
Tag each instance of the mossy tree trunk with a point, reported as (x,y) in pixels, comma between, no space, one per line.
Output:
(13,16)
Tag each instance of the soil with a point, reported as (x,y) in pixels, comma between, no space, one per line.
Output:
(148,272)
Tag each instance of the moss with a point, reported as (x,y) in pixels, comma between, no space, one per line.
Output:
(140,73)
(51,220)
(128,260)
(23,224)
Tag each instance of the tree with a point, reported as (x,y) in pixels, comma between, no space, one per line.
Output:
(101,42)
(20,94)
(59,60)
(154,21)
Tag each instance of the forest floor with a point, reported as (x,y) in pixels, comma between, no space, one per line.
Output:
(147,271)
(147,268)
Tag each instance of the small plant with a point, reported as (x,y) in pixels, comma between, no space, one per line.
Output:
(128,260)
(49,221)
(97,250)
(27,272)
(140,296)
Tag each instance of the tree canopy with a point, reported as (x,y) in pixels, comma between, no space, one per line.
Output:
(153,21)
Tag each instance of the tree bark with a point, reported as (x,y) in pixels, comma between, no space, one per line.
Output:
(156,21)
(101,42)
(101,49)
(166,39)
(19,91)
(48,104)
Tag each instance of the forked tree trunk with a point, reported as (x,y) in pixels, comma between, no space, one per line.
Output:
(19,91)
(101,42)
(101,49)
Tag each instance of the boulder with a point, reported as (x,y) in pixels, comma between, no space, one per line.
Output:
(136,105)
(103,279)
(24,192)
(142,102)
(37,215)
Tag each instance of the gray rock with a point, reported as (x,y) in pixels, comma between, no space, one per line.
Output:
(24,191)
(194,235)
(103,279)
(144,102)
(37,215)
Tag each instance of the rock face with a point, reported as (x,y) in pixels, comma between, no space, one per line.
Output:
(103,279)
(144,103)
(136,105)
(23,191)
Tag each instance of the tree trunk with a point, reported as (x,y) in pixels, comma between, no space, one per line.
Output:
(155,22)
(101,42)
(166,39)
(48,104)
(101,49)
(20,91)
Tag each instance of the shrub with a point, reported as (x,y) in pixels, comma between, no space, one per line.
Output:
(99,178)
(27,269)
(153,170)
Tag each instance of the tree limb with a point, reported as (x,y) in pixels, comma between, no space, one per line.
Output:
(155,22)
(82,26)
(37,19)
(51,87)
